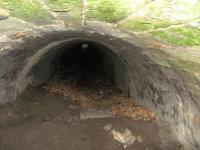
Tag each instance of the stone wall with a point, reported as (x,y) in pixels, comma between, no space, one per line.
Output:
(159,88)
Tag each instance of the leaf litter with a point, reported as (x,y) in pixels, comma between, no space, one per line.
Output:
(99,94)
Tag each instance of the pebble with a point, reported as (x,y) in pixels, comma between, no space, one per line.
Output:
(3,17)
(4,14)
(139,139)
(126,138)
(72,107)
(107,127)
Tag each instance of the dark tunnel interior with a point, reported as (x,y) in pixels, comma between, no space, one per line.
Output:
(86,63)
(83,61)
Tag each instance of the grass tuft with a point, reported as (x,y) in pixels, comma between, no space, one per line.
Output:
(25,9)
(182,36)
(140,24)
(108,10)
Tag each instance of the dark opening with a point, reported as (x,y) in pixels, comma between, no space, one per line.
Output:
(84,63)
(87,63)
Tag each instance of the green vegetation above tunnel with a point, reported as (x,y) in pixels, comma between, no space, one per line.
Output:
(143,24)
(68,7)
(180,36)
(164,30)
(108,10)
(26,9)
(103,10)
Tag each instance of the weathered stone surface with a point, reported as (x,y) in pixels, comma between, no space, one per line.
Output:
(26,61)
(4,14)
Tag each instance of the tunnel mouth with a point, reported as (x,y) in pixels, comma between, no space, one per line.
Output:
(82,66)
(91,74)
(133,69)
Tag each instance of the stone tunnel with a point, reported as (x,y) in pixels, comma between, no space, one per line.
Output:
(33,60)
(82,56)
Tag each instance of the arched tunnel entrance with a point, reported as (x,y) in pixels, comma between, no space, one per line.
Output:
(90,63)
(86,62)
(69,63)
(82,59)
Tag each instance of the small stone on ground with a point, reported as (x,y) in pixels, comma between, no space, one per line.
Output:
(107,127)
(139,139)
(126,138)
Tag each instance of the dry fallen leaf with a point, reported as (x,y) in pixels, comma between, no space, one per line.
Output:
(18,35)
(101,97)
(131,110)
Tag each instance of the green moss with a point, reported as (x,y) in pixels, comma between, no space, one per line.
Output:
(136,25)
(159,57)
(71,7)
(185,66)
(179,36)
(141,24)
(65,4)
(25,9)
(161,24)
(179,65)
(108,10)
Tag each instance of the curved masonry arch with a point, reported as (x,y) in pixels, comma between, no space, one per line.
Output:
(156,87)
(50,52)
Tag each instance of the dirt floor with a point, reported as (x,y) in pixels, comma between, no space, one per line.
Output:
(40,120)
(81,112)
